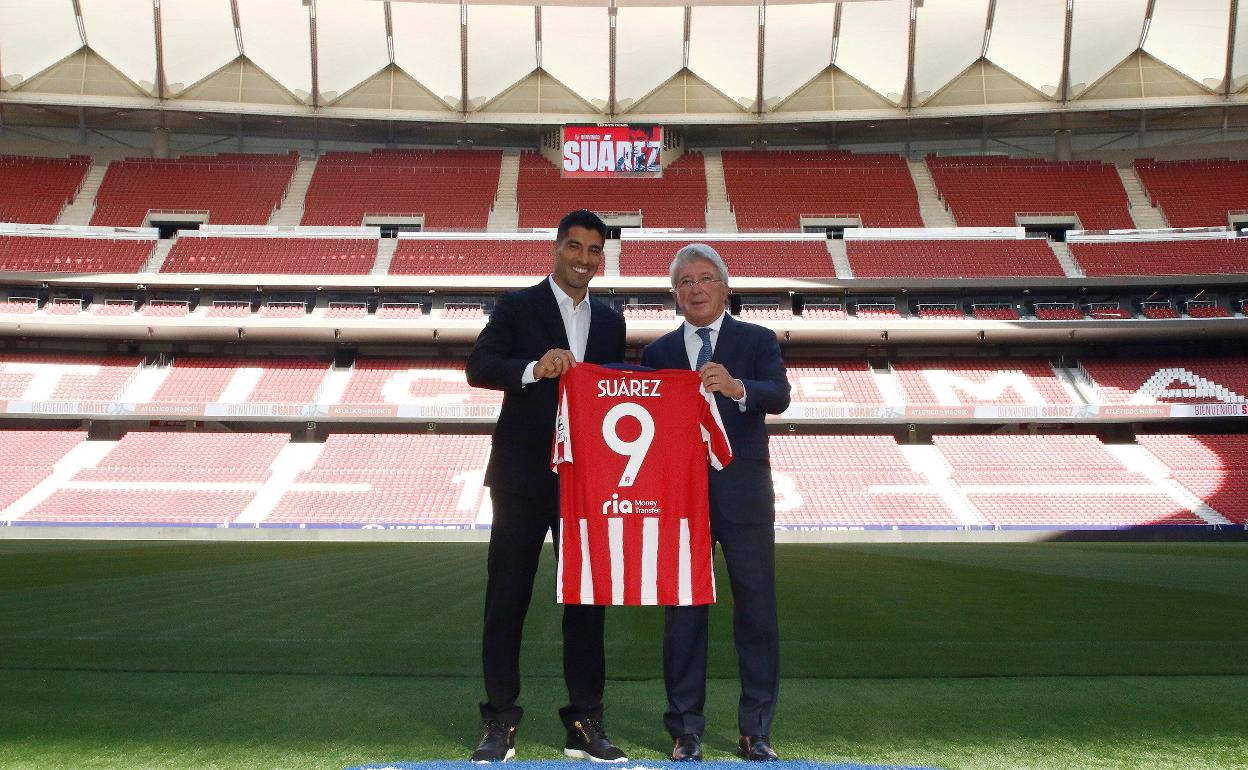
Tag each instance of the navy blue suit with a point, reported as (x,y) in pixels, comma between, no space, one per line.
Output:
(525,494)
(742,503)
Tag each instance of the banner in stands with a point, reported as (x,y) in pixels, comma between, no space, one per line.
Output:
(612,151)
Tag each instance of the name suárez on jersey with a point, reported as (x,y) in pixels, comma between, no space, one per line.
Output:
(630,388)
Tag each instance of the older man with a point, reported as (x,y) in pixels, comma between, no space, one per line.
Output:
(741,364)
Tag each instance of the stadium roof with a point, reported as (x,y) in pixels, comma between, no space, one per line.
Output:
(665,61)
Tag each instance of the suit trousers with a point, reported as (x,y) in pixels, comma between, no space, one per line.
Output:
(516,536)
(750,553)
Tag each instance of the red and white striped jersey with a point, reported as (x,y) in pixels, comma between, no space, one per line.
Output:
(631,450)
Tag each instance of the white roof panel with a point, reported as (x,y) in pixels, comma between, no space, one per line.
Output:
(350,44)
(798,46)
(1191,36)
(1027,41)
(199,40)
(948,39)
(502,48)
(34,36)
(277,38)
(723,50)
(1104,33)
(649,49)
(426,46)
(575,46)
(875,38)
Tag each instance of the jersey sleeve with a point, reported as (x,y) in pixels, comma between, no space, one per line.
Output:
(561,451)
(718,448)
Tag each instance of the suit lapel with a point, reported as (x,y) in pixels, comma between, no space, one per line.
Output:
(676,341)
(548,312)
(599,317)
(726,344)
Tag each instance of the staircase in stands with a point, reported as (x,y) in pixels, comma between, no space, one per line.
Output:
(719,216)
(1145,215)
(291,212)
(79,212)
(931,208)
(504,214)
(1067,260)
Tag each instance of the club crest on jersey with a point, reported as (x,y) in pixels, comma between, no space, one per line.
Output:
(631,388)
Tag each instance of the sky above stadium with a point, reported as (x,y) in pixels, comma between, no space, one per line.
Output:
(344,43)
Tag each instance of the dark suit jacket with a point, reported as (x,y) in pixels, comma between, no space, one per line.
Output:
(742,490)
(524,325)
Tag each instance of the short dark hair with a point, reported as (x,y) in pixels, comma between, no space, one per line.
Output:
(580,218)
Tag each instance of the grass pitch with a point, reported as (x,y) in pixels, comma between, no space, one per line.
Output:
(298,655)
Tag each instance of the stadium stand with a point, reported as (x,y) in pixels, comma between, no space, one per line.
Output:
(940,311)
(28,456)
(61,377)
(283,310)
(1055,481)
(824,311)
(764,312)
(772,190)
(1158,309)
(970,382)
(66,306)
(845,381)
(648,313)
(469,256)
(303,255)
(1196,193)
(400,310)
(228,309)
(991,191)
(226,458)
(1168,380)
(235,189)
(850,481)
(452,189)
(798,258)
(1212,467)
(1205,308)
(57,254)
(1058,311)
(14,305)
(149,478)
(407,381)
(212,379)
(411,478)
(951,258)
(676,199)
(117,308)
(1170,257)
(36,190)
(994,311)
(159,308)
(877,311)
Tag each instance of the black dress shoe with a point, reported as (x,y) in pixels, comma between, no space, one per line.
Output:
(688,748)
(756,748)
(498,742)
(587,739)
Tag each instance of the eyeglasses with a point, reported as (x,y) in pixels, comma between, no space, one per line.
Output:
(706,283)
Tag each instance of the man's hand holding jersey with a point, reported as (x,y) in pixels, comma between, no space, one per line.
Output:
(554,363)
(716,379)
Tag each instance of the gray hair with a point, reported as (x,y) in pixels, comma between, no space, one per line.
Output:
(694,252)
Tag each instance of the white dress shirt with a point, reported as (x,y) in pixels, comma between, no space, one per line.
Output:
(575,324)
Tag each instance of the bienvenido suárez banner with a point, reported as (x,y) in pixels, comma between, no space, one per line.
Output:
(611,151)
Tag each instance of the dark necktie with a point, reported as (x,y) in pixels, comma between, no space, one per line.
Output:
(704,354)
